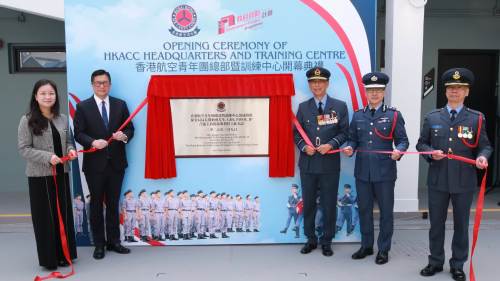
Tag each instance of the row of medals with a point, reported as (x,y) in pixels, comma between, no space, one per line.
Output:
(463,132)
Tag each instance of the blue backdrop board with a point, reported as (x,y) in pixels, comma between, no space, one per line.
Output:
(136,39)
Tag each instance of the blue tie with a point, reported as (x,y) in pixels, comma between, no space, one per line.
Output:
(104,114)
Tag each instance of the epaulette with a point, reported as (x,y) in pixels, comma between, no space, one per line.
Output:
(392,108)
(474,111)
(435,111)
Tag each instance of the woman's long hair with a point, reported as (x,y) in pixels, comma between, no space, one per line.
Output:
(36,121)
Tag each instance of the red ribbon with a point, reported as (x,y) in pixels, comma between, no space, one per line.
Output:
(62,227)
(480,199)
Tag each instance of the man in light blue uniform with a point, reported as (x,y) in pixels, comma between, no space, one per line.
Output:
(248,213)
(376,127)
(172,205)
(256,214)
(144,206)
(212,214)
(238,213)
(201,210)
(159,216)
(185,214)
(129,210)
(230,212)
(79,209)
(223,215)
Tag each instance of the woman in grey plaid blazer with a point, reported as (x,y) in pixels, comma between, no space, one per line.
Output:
(43,138)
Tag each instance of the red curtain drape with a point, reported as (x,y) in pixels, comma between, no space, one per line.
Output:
(160,154)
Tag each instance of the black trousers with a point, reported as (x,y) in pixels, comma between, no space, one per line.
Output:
(438,211)
(45,221)
(326,187)
(105,188)
(383,192)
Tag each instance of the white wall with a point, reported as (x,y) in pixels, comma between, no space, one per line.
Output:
(403,52)
(53,9)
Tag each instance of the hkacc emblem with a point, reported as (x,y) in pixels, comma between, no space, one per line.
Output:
(221,107)
(184,19)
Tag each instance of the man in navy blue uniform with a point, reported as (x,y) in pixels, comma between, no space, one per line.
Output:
(291,205)
(325,121)
(376,127)
(453,129)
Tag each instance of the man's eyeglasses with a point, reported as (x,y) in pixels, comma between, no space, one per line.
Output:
(101,83)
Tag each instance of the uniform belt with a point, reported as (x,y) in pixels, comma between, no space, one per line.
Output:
(172,209)
(201,209)
(224,210)
(213,209)
(130,211)
(144,209)
(159,212)
(186,209)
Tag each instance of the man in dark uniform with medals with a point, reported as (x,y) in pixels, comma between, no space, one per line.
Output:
(376,127)
(454,129)
(325,121)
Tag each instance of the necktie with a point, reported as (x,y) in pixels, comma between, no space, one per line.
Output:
(453,114)
(320,108)
(372,111)
(104,114)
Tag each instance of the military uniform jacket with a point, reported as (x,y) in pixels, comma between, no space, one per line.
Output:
(440,133)
(374,167)
(334,134)
(292,201)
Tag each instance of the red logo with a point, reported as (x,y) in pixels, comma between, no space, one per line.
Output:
(247,20)
(221,107)
(184,19)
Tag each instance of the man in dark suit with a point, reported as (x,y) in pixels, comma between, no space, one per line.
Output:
(325,121)
(454,129)
(96,120)
(376,127)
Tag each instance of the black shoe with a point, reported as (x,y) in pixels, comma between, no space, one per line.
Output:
(160,238)
(118,248)
(212,236)
(205,235)
(50,267)
(62,263)
(224,235)
(173,238)
(230,230)
(283,231)
(201,236)
(430,270)
(239,230)
(132,239)
(457,274)
(362,253)
(326,250)
(192,235)
(99,253)
(308,247)
(186,237)
(255,230)
(382,257)
(248,230)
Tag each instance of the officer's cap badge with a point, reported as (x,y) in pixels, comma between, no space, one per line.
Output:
(317,72)
(456,75)
(374,78)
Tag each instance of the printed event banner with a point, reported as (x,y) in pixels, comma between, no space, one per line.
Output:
(220,127)
(134,40)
